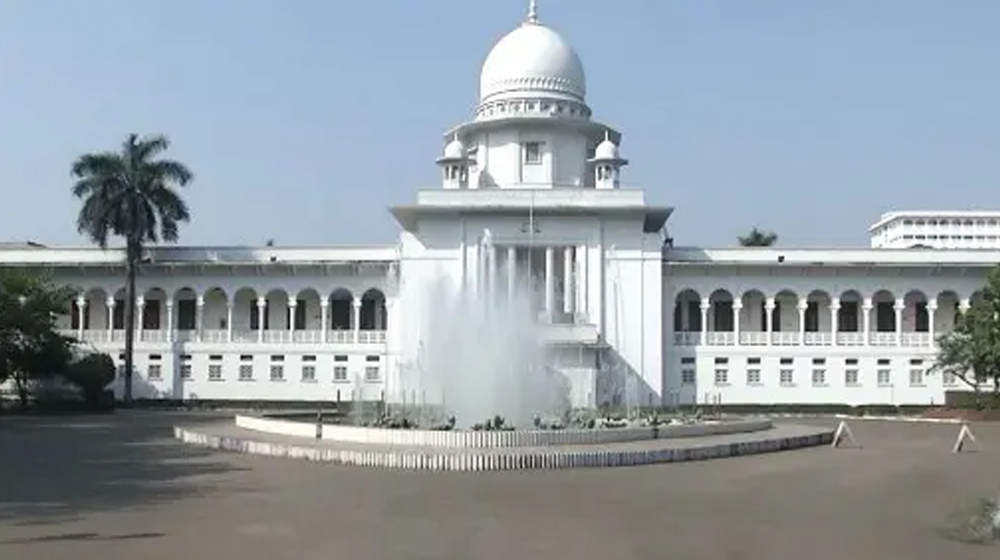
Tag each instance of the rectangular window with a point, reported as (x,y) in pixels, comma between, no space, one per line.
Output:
(215,372)
(246,372)
(308,358)
(819,377)
(154,372)
(851,378)
(786,361)
(277,372)
(884,377)
(949,379)
(687,376)
(372,373)
(340,373)
(753,361)
(277,358)
(916,377)
(753,377)
(308,374)
(532,153)
(787,377)
(721,376)
(186,372)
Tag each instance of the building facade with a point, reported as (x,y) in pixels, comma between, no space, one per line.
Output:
(532,192)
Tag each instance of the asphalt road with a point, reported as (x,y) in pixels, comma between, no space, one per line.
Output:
(118,487)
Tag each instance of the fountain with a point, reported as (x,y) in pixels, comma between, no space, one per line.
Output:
(484,392)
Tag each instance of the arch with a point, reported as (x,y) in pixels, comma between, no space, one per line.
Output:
(915,315)
(307,310)
(849,316)
(95,305)
(215,314)
(154,309)
(687,311)
(374,316)
(882,316)
(818,316)
(947,312)
(753,317)
(720,314)
(245,314)
(341,310)
(276,310)
(785,317)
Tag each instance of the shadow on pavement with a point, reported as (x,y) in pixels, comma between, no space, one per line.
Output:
(58,469)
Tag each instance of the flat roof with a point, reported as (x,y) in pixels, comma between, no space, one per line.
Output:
(771,256)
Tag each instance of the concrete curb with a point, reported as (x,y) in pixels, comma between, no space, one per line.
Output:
(908,419)
(504,459)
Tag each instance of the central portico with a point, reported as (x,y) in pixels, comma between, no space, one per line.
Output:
(531,196)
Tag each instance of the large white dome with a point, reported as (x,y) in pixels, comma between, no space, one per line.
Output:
(532,60)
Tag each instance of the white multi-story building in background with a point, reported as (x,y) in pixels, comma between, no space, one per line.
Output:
(532,167)
(937,230)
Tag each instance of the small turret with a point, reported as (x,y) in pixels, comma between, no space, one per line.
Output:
(455,165)
(607,164)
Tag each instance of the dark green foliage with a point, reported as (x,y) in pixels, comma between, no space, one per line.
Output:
(90,375)
(30,348)
(971,352)
(758,238)
(130,194)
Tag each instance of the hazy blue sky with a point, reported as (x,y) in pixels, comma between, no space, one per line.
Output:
(304,119)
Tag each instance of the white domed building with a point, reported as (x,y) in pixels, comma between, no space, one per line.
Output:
(532,195)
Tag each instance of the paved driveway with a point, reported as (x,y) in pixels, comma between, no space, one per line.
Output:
(117,487)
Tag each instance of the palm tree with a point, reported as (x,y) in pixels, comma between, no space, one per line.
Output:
(758,238)
(131,195)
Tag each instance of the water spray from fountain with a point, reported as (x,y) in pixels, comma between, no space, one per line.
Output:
(482,354)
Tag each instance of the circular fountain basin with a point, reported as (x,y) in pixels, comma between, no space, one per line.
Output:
(461,439)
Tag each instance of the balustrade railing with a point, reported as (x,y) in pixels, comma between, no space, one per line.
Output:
(756,338)
(222,336)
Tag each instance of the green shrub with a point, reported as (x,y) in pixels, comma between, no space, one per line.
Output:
(91,374)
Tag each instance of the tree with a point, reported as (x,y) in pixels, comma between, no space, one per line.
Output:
(30,347)
(971,352)
(758,238)
(131,194)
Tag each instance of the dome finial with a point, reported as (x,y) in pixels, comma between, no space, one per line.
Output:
(533,11)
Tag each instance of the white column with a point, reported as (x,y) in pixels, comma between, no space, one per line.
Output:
(581,284)
(511,272)
(737,307)
(898,308)
(229,321)
(199,317)
(835,318)
(261,308)
(550,283)
(170,320)
(569,288)
(706,304)
(356,319)
(769,306)
(324,317)
(932,306)
(491,256)
(866,316)
(292,305)
(802,307)
(81,313)
(111,315)
(140,309)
